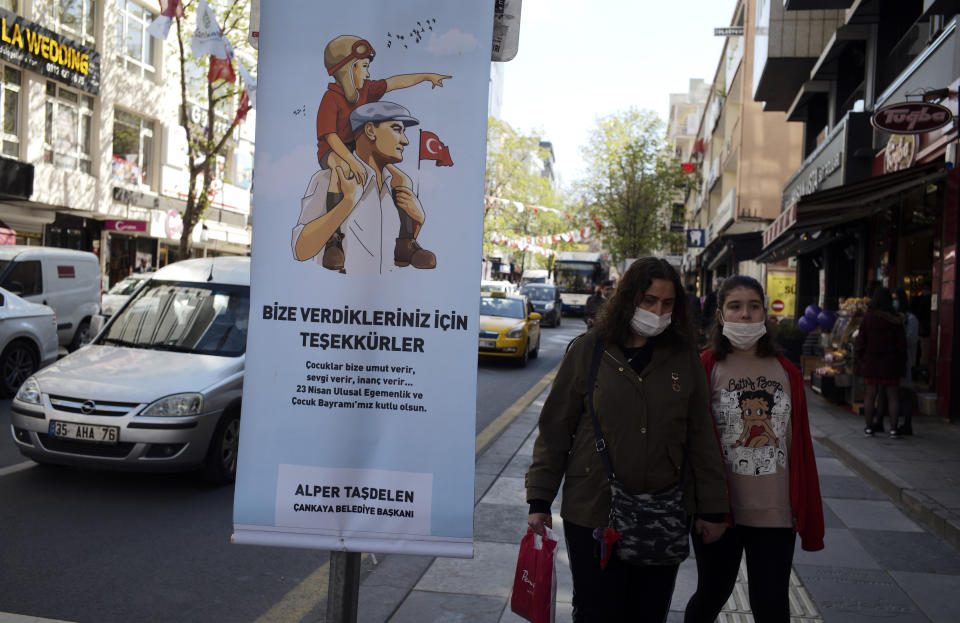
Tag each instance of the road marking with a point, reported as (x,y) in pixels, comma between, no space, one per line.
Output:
(18,467)
(304,597)
(510,414)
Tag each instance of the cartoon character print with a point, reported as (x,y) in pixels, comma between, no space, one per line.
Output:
(752,419)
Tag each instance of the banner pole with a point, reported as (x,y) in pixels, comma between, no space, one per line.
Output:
(343,590)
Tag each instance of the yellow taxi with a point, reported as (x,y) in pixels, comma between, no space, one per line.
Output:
(508,327)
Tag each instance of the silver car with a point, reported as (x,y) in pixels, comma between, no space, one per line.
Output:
(113,299)
(158,389)
(28,340)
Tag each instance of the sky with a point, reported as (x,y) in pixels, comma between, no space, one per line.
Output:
(578,61)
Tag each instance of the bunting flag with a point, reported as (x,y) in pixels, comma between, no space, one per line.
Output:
(521,206)
(528,243)
(244,107)
(221,67)
(207,38)
(431,148)
(160,27)
(688,167)
(249,83)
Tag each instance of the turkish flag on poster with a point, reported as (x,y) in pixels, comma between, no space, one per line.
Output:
(432,149)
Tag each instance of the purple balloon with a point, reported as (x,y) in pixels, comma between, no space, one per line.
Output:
(805,324)
(811,313)
(826,319)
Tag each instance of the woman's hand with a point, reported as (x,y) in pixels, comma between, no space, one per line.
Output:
(709,530)
(538,520)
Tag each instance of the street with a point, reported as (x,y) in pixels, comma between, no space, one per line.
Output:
(82,545)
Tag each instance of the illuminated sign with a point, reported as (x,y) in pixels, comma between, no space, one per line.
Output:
(33,47)
(911,118)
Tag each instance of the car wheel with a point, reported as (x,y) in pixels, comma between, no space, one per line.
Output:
(82,336)
(220,466)
(525,357)
(536,351)
(18,361)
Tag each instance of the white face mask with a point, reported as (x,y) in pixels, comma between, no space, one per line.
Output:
(743,335)
(648,324)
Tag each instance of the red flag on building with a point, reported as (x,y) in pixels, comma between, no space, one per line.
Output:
(432,149)
(688,167)
(244,106)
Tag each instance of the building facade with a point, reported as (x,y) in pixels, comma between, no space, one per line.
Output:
(91,119)
(875,200)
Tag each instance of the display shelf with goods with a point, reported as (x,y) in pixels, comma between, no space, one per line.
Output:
(835,379)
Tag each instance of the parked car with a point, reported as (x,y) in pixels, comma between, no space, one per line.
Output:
(546,302)
(28,340)
(508,327)
(66,280)
(535,275)
(490,285)
(114,298)
(158,388)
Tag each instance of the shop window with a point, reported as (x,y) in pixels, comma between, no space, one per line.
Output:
(10,5)
(10,109)
(135,46)
(74,18)
(132,149)
(68,128)
(25,278)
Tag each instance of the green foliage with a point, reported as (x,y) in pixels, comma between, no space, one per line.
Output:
(632,181)
(514,171)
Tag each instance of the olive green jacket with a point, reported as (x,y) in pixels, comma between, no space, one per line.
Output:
(651,424)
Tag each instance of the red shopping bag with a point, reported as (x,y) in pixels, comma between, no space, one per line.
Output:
(535,583)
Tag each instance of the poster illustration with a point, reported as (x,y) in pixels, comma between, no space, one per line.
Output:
(359,398)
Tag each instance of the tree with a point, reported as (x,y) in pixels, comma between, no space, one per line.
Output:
(218,98)
(515,172)
(632,182)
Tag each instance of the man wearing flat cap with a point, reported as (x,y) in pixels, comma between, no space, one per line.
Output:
(379,216)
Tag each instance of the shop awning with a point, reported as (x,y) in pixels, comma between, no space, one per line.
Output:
(791,233)
(735,248)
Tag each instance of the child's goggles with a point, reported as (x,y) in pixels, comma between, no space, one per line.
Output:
(361,49)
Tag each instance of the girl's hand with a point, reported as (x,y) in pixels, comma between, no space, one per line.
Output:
(538,520)
(708,530)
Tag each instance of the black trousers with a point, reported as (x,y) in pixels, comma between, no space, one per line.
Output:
(621,592)
(769,559)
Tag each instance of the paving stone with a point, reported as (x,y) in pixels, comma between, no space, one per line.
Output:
(489,572)
(686,585)
(910,551)
(872,515)
(428,607)
(563,611)
(840,550)
(518,466)
(481,483)
(506,491)
(819,450)
(858,595)
(949,498)
(830,519)
(499,523)
(830,466)
(928,591)
(849,487)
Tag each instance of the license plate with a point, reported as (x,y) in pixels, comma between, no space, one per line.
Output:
(488,343)
(85,432)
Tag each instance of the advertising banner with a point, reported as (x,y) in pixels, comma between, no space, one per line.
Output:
(358,424)
(781,293)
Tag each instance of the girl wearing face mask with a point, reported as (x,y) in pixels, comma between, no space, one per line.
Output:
(651,399)
(760,410)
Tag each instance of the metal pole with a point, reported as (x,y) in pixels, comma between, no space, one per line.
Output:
(344,587)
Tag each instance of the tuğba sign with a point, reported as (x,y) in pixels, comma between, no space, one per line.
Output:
(911,118)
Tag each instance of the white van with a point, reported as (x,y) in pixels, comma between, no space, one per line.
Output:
(535,275)
(66,280)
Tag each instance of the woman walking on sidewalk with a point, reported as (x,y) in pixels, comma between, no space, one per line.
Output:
(650,400)
(759,406)
(881,351)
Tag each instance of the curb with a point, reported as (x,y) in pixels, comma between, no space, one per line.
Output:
(937,518)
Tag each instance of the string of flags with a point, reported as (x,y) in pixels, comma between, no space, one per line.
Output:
(536,243)
(520,206)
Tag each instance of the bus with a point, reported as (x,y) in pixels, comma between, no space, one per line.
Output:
(577,274)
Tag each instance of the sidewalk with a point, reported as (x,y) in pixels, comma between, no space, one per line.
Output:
(878,561)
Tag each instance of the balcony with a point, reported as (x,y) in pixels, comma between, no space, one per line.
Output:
(816,5)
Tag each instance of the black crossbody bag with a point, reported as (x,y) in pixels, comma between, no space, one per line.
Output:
(652,527)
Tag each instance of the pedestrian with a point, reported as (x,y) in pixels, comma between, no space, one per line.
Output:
(651,403)
(596,301)
(908,394)
(880,352)
(709,311)
(760,410)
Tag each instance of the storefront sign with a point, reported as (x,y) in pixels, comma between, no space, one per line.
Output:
(174,225)
(359,426)
(911,118)
(33,47)
(781,293)
(135,198)
(695,238)
(125,226)
(730,31)
(900,152)
(787,218)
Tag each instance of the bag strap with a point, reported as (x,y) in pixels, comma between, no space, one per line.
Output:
(601,445)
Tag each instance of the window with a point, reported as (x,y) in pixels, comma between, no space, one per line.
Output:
(135,45)
(10,111)
(68,127)
(10,5)
(132,149)
(24,278)
(76,18)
